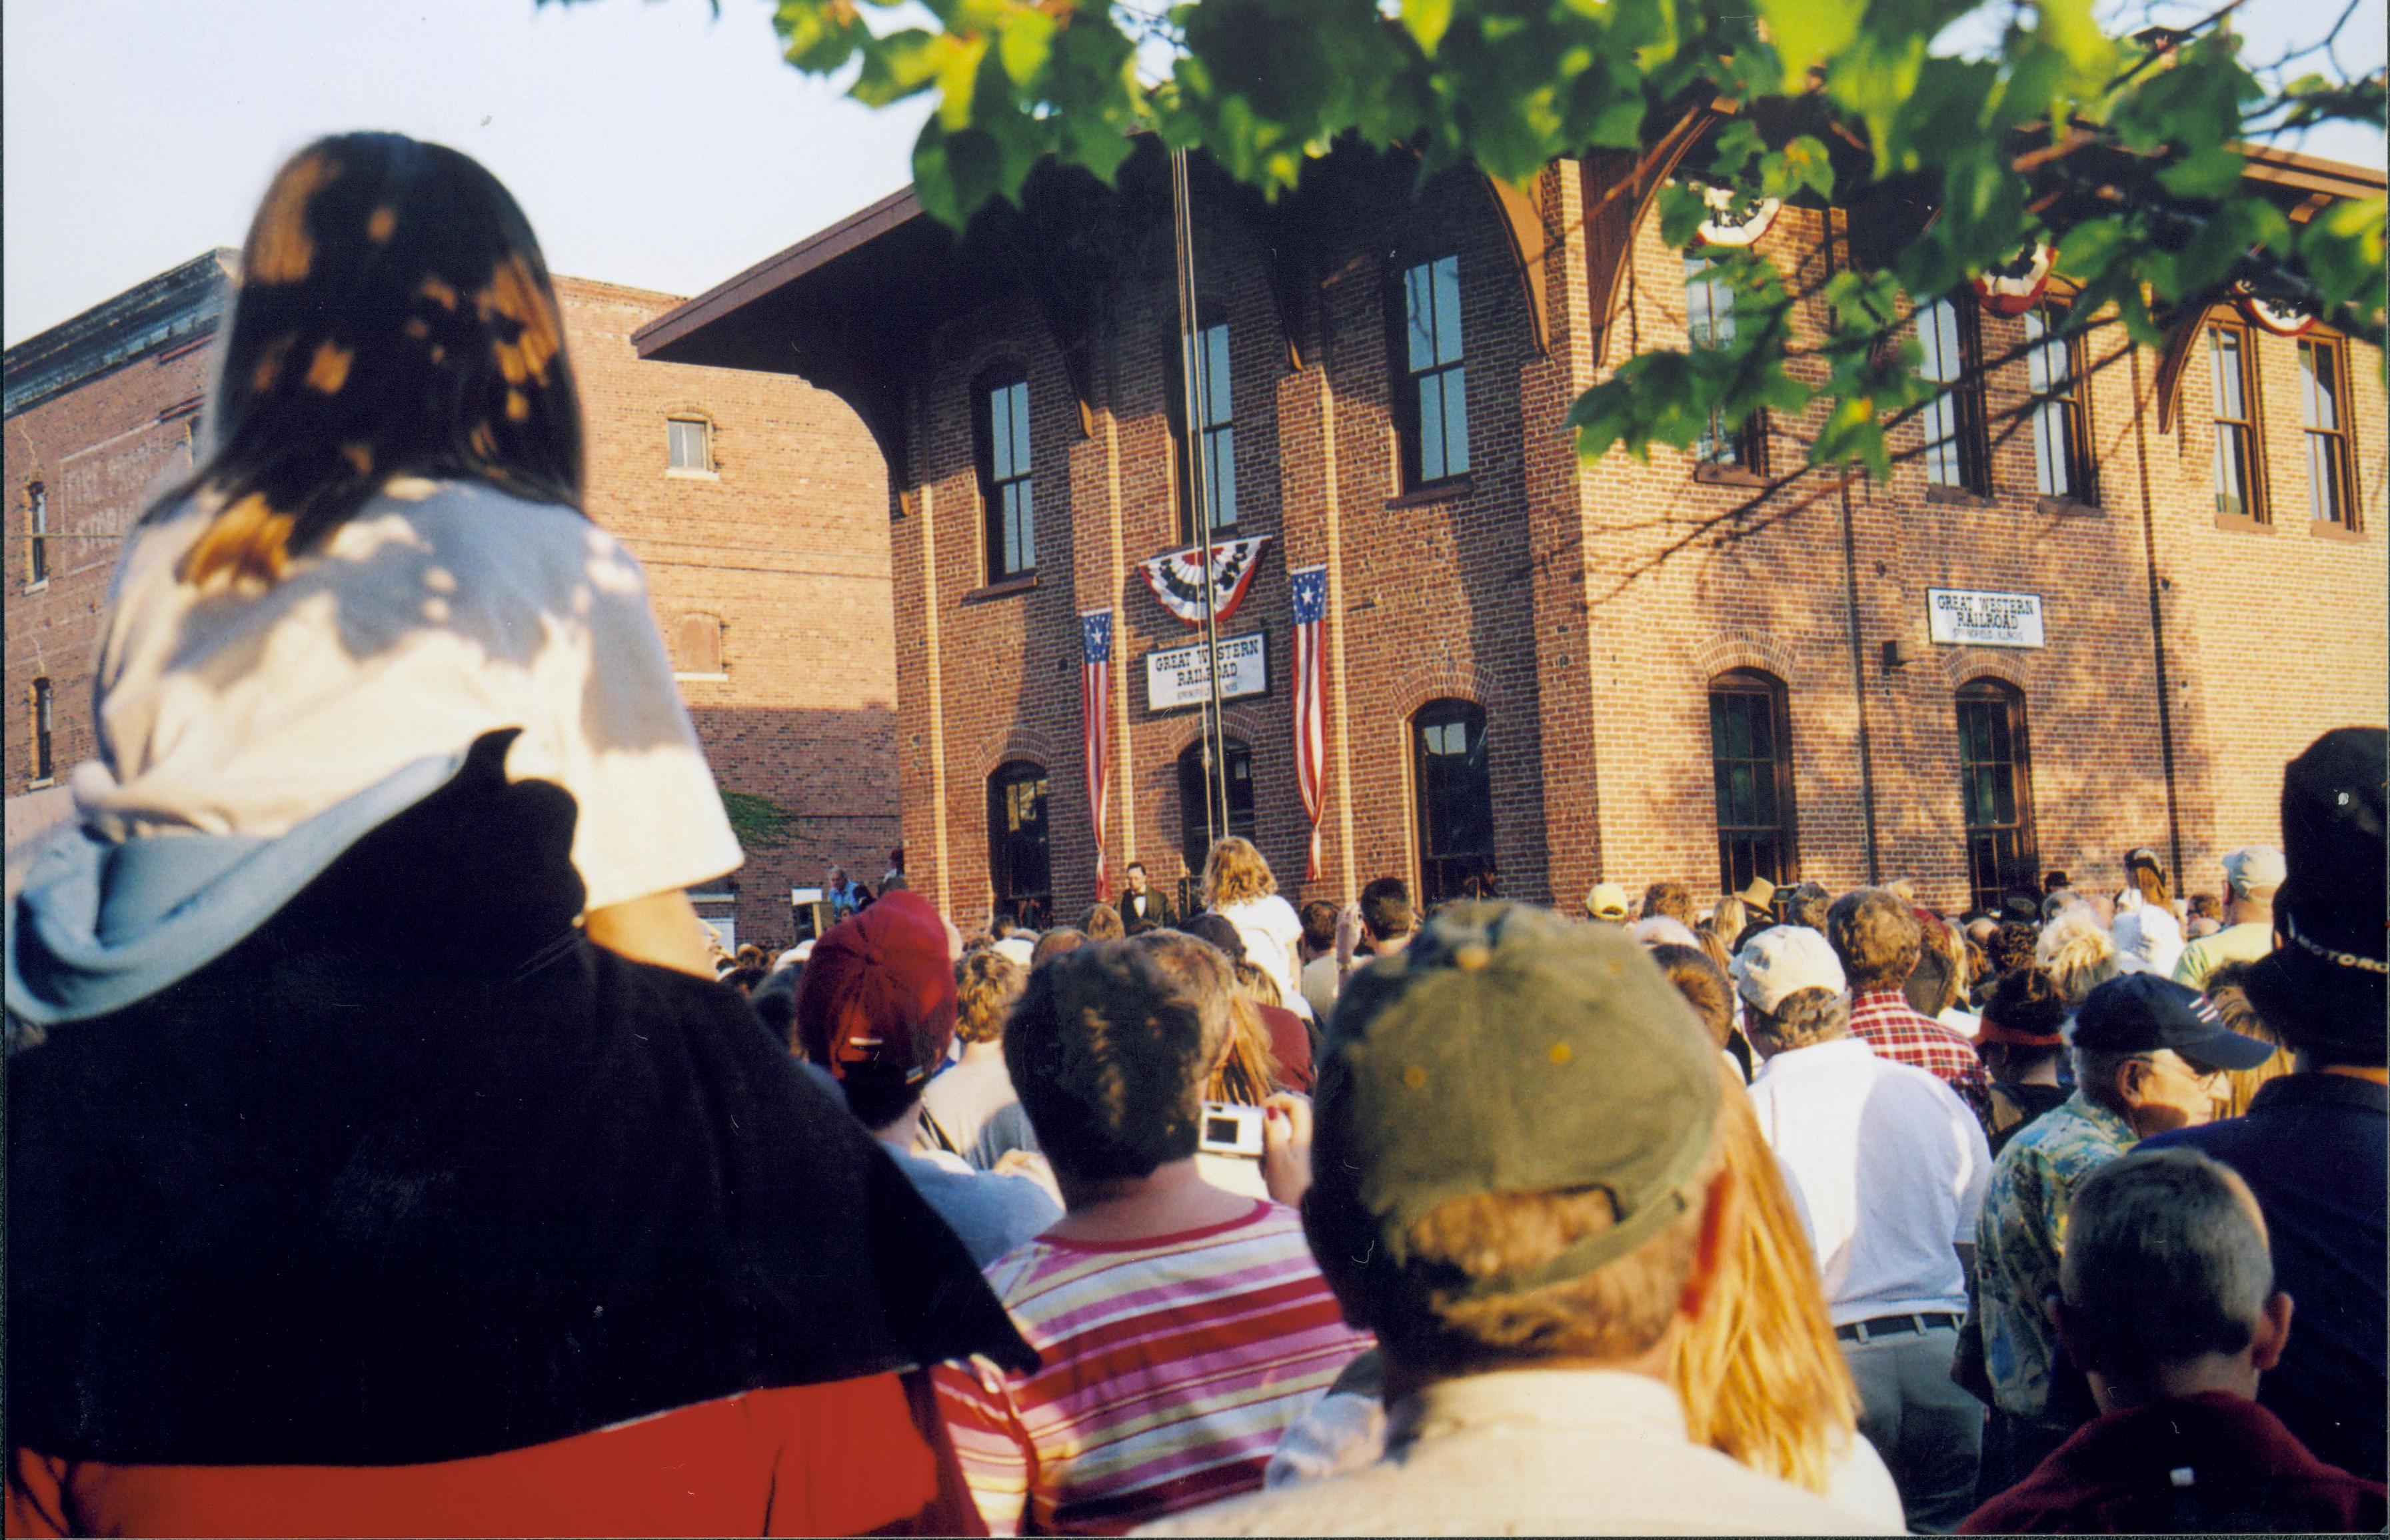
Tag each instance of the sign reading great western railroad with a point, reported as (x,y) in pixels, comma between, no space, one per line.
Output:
(1175,678)
(1967,617)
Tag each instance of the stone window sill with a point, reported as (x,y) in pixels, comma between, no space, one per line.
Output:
(1021,583)
(1434,492)
(2069,507)
(2324,529)
(2240,523)
(677,674)
(677,473)
(1957,498)
(1727,476)
(35,586)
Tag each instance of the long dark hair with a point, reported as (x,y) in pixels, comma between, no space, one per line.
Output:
(394,317)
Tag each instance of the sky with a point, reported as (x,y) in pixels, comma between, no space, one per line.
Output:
(653,143)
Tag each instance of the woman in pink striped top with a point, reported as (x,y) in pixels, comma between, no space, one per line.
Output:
(1182,1328)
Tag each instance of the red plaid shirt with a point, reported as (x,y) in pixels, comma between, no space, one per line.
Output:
(1889,1024)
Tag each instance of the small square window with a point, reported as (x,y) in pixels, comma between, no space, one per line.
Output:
(690,443)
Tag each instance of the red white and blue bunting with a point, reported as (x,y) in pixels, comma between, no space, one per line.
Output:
(1176,577)
(1732,224)
(2282,317)
(2016,287)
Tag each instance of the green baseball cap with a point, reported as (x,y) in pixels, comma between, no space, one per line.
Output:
(1506,1050)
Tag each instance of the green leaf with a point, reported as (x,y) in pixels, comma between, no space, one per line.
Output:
(1027,41)
(1810,32)
(2212,173)
(1427,20)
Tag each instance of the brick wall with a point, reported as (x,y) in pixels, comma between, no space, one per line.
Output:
(1587,608)
(785,543)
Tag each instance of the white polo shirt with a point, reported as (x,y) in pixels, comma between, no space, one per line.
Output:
(1888,1168)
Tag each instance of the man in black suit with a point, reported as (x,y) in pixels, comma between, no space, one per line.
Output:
(1143,908)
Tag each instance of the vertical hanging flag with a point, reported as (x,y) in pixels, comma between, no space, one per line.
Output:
(1309,589)
(1095,708)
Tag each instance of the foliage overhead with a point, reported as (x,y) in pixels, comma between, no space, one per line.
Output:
(2125,154)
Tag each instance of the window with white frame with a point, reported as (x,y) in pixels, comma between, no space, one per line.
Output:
(689,444)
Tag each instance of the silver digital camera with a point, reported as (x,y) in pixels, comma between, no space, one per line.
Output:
(1229,1129)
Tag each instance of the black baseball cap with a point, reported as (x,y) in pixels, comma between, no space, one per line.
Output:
(2142,1013)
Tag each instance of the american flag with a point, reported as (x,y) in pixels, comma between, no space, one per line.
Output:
(1095,698)
(1309,590)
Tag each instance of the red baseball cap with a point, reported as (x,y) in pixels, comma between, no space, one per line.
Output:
(878,992)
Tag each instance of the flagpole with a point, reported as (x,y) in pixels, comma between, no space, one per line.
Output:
(1216,783)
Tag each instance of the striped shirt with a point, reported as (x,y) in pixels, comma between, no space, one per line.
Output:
(1172,1366)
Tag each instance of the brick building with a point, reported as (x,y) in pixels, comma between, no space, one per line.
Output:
(1545,670)
(756,504)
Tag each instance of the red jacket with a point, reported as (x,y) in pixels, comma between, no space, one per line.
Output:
(2213,1462)
(850,1457)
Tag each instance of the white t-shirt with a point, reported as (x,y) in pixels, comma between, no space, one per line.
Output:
(1888,1167)
(1272,932)
(2145,930)
(443,610)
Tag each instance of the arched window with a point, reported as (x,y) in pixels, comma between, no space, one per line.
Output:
(1455,799)
(1016,867)
(698,646)
(1996,788)
(1000,434)
(1751,768)
(1957,451)
(1194,831)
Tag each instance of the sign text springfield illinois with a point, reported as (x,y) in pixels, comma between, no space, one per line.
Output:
(1971,618)
(1177,677)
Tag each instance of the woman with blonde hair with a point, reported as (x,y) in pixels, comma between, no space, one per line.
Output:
(1238,887)
(2077,953)
(1760,1376)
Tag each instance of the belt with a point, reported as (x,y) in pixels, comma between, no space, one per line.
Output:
(1888,1326)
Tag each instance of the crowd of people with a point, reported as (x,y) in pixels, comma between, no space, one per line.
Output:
(388,1154)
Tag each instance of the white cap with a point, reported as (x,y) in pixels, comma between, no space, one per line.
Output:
(1783,960)
(2256,871)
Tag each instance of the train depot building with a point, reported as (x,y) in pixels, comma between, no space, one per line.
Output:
(2106,594)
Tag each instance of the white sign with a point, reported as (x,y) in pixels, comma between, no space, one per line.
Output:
(1178,677)
(1966,617)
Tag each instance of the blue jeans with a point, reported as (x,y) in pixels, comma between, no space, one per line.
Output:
(1929,1431)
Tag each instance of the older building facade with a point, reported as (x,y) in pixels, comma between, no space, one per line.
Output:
(754,502)
(2102,600)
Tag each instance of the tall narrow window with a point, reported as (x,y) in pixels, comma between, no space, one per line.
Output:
(1434,407)
(2240,488)
(1194,831)
(1017,865)
(2330,480)
(1455,799)
(1995,787)
(37,534)
(1709,323)
(689,445)
(1751,766)
(1003,431)
(1955,451)
(1218,444)
(2062,464)
(45,765)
